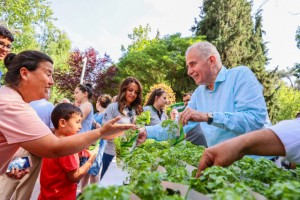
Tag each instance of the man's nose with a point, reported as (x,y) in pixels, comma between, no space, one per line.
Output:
(51,81)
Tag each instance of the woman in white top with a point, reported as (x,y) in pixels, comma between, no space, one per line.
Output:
(127,105)
(156,104)
(281,139)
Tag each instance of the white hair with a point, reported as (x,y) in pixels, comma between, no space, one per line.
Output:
(205,49)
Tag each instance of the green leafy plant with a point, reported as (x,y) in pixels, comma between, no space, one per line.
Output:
(147,185)
(233,182)
(126,144)
(284,190)
(129,134)
(95,192)
(143,119)
(237,191)
(171,127)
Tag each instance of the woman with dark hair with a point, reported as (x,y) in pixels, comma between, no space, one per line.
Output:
(29,78)
(102,102)
(127,105)
(155,105)
(82,95)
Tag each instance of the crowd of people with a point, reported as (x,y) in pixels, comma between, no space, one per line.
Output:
(226,113)
(29,78)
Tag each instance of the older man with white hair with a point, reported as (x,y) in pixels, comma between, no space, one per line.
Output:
(227,102)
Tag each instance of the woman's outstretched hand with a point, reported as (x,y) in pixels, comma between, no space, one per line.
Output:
(111,130)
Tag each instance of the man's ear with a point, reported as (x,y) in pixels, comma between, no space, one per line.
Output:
(24,73)
(212,59)
(62,123)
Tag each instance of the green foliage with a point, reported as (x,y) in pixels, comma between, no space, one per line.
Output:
(55,95)
(234,182)
(296,68)
(255,185)
(214,178)
(129,134)
(140,38)
(147,185)
(126,144)
(95,192)
(35,19)
(99,72)
(298,37)
(189,149)
(237,191)
(171,125)
(157,60)
(289,103)
(143,119)
(170,93)
(284,190)
(178,174)
(228,24)
(265,171)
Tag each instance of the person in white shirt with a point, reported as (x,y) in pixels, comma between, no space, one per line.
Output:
(282,139)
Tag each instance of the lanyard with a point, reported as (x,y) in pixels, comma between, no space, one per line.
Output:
(157,112)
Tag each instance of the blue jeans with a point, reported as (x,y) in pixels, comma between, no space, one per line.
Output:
(95,168)
(106,160)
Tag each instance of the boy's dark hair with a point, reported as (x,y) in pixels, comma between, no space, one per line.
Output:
(64,111)
(4,33)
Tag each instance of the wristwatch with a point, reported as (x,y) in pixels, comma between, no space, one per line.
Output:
(210,118)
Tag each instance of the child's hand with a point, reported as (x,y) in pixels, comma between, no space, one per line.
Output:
(92,156)
(15,173)
(84,153)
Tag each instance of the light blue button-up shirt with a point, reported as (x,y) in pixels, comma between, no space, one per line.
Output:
(237,104)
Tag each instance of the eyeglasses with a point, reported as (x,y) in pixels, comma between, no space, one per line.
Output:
(8,46)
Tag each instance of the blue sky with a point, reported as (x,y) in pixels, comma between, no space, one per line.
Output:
(105,25)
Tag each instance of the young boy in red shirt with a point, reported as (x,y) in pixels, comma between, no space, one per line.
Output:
(59,176)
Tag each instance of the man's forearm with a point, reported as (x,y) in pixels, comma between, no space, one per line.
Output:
(262,142)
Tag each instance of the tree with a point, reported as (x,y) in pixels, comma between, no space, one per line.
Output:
(140,38)
(157,60)
(296,68)
(294,72)
(298,37)
(289,102)
(99,72)
(35,20)
(229,26)
(170,94)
